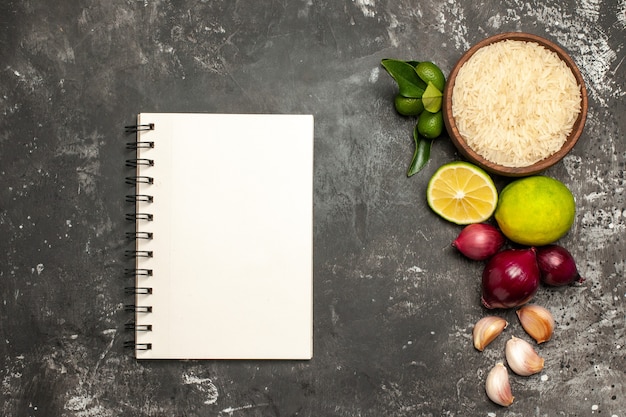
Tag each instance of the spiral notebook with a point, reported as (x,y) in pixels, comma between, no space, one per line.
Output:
(223,213)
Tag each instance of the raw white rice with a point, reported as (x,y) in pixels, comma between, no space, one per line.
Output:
(515,102)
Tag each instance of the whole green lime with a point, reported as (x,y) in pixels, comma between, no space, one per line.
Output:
(430,125)
(428,71)
(535,211)
(408,106)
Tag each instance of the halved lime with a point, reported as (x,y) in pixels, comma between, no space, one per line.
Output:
(462,193)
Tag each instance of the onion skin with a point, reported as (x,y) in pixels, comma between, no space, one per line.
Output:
(557,266)
(510,278)
(479,241)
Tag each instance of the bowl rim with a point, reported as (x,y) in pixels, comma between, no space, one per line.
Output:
(493,167)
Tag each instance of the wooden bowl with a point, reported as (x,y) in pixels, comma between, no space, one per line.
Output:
(490,166)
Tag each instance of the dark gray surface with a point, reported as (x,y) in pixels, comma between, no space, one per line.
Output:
(394,304)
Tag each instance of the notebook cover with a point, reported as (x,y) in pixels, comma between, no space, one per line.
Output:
(232,224)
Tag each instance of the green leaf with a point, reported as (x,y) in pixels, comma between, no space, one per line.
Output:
(432,98)
(420,155)
(409,84)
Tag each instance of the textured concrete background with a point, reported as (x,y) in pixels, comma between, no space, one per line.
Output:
(394,304)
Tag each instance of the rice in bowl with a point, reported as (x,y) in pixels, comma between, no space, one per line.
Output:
(515,102)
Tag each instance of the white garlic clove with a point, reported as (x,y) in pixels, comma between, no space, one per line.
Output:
(486,330)
(537,321)
(522,358)
(498,387)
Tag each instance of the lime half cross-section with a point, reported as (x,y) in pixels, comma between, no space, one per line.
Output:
(462,193)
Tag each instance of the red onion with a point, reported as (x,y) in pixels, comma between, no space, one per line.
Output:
(510,278)
(557,266)
(479,241)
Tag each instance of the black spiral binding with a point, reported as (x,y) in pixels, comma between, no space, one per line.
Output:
(139,179)
(134,163)
(139,198)
(139,253)
(133,308)
(138,290)
(139,128)
(134,273)
(132,326)
(137,346)
(139,216)
(139,235)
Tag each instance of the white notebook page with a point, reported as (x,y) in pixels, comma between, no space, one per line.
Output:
(232,244)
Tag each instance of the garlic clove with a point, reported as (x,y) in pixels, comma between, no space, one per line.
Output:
(522,358)
(486,330)
(498,387)
(537,321)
